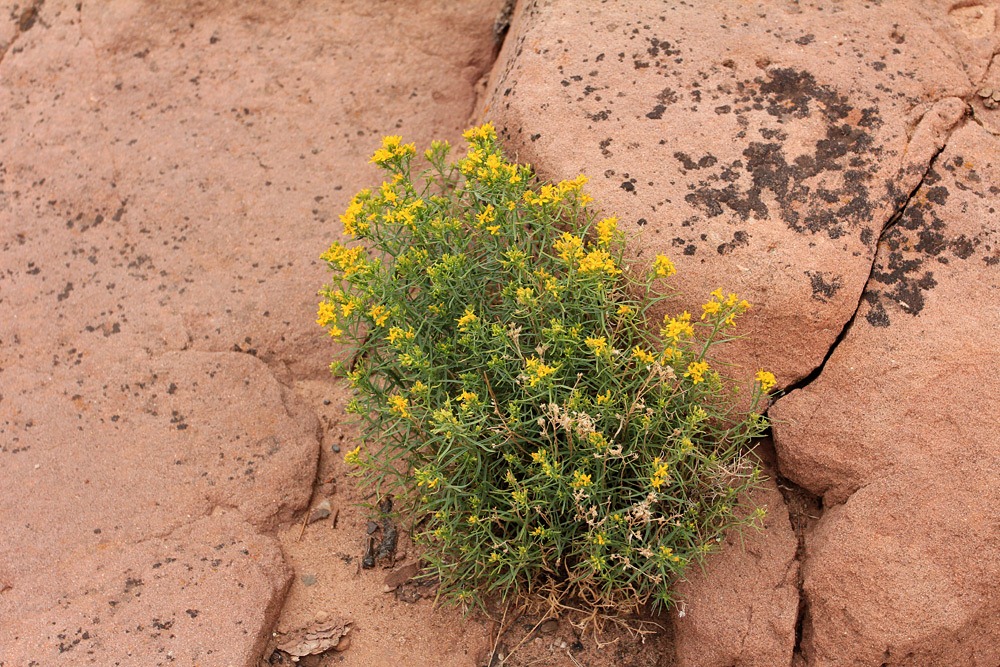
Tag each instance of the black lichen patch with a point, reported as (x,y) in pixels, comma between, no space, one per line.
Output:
(824,285)
(825,191)
(911,249)
(740,239)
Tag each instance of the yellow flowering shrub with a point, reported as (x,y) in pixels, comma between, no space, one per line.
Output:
(513,396)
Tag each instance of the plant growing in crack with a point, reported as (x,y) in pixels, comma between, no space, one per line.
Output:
(516,402)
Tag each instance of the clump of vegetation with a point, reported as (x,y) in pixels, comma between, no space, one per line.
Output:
(516,399)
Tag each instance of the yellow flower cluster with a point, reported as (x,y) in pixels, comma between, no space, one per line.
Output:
(537,370)
(406,214)
(663,267)
(598,345)
(327,313)
(468,400)
(379,314)
(483,133)
(353,457)
(580,480)
(642,355)
(766,380)
(660,474)
(347,260)
(397,335)
(719,303)
(569,247)
(599,261)
(554,194)
(606,230)
(426,478)
(676,328)
(354,225)
(466,320)
(696,371)
(399,405)
(392,147)
(597,440)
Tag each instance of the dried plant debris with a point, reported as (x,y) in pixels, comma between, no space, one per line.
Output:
(384,551)
(324,634)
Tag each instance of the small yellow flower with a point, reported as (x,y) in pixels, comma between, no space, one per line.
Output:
(598,261)
(537,370)
(642,355)
(663,267)
(580,480)
(766,380)
(398,405)
(483,132)
(494,230)
(353,457)
(660,473)
(525,296)
(597,345)
(696,371)
(326,314)
(473,519)
(677,327)
(539,456)
(710,308)
(604,398)
(625,310)
(487,216)
(606,229)
(568,247)
(379,315)
(466,320)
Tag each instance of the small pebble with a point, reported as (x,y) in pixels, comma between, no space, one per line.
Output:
(335,448)
(985,92)
(371,527)
(308,579)
(321,511)
(326,401)
(549,626)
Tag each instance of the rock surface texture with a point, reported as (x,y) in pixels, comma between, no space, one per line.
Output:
(170,171)
(169,174)
(836,163)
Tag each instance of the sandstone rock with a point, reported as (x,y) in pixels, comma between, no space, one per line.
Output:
(206,594)
(897,434)
(121,448)
(740,609)
(169,175)
(762,146)
(194,157)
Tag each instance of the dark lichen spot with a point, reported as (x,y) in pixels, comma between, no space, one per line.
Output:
(806,39)
(740,238)
(657,112)
(876,316)
(823,288)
